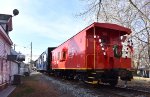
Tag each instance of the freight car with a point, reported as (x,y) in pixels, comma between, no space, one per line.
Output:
(43,63)
(95,54)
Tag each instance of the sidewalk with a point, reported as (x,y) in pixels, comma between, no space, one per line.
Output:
(7,91)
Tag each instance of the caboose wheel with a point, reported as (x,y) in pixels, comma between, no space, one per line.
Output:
(113,83)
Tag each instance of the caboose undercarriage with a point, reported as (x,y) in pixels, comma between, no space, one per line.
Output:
(97,76)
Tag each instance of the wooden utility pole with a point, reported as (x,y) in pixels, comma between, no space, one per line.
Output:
(31,52)
(14,46)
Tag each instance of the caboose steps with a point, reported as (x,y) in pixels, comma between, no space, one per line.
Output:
(91,82)
(91,77)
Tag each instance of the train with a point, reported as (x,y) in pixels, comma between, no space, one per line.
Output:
(100,53)
(43,63)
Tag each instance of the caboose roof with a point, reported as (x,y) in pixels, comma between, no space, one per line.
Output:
(122,29)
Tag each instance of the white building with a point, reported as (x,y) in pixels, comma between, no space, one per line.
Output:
(5,47)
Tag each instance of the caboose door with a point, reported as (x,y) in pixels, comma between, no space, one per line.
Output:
(90,51)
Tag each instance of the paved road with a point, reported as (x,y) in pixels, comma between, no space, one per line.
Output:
(7,91)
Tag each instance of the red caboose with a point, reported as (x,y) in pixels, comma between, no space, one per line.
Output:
(95,54)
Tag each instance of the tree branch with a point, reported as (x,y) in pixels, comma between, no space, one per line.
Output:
(139,10)
(99,7)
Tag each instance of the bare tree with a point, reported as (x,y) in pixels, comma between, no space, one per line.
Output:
(134,14)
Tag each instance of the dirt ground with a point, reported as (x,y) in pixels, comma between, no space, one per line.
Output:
(34,86)
(38,85)
(137,81)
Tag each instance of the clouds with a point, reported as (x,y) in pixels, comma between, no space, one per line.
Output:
(44,22)
(7,6)
(54,29)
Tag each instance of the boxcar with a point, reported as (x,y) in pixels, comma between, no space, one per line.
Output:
(43,63)
(95,55)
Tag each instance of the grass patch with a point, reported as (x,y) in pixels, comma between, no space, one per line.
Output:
(26,88)
(34,86)
(26,91)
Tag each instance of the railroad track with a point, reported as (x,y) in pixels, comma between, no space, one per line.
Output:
(103,90)
(122,91)
(135,90)
(118,91)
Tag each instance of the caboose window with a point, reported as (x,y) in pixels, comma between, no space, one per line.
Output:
(64,55)
(53,56)
(59,56)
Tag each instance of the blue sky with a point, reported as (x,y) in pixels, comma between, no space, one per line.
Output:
(45,23)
